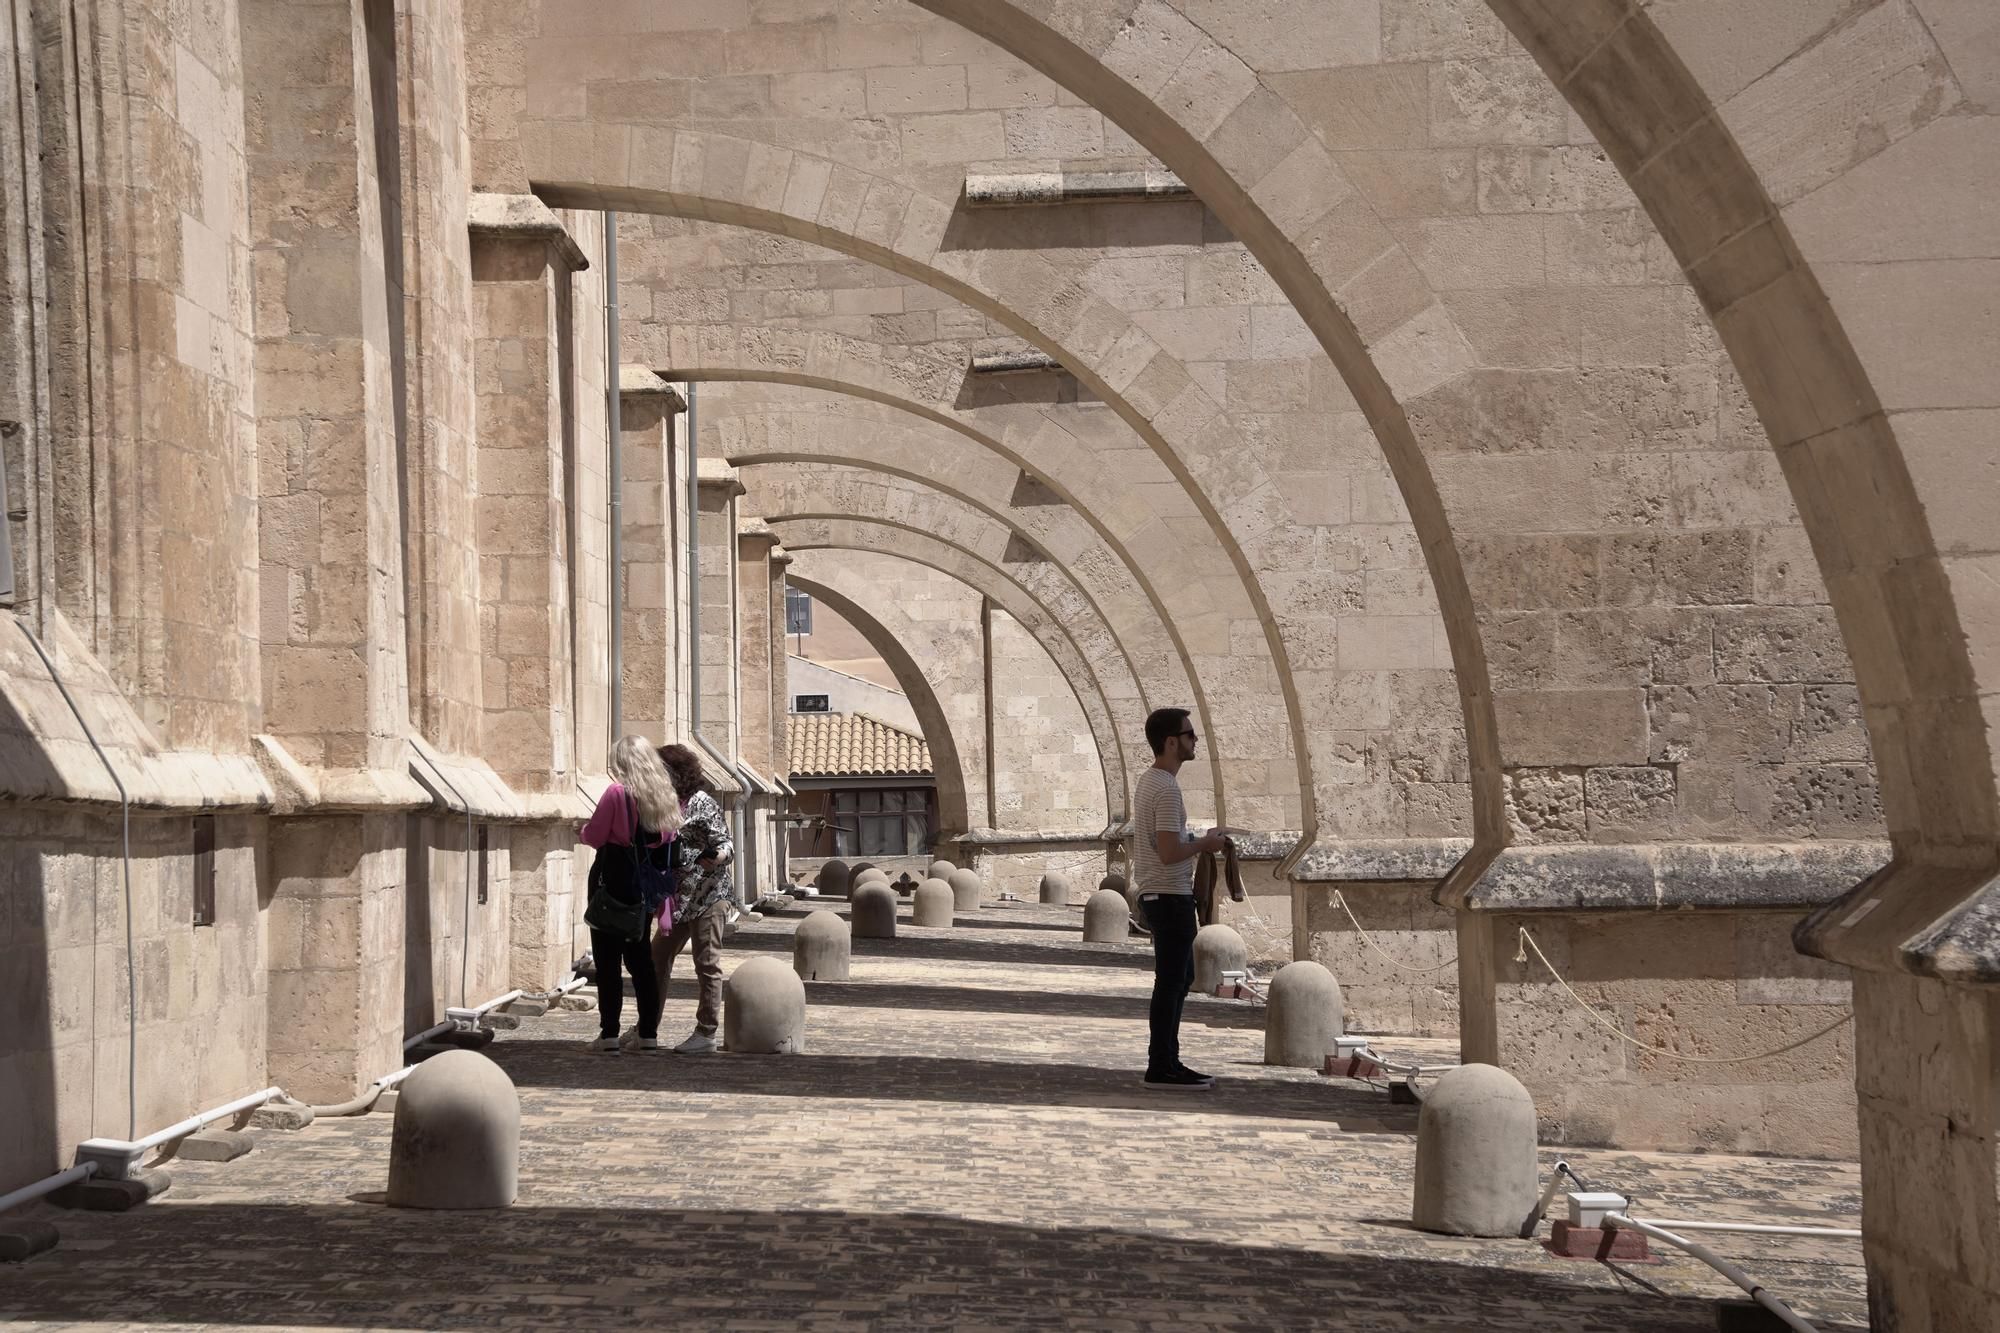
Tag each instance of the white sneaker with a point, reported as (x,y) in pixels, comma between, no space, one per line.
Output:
(632,1041)
(700,1042)
(601,1046)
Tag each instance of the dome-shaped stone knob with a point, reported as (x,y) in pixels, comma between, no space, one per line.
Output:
(820,947)
(457,1136)
(1217,949)
(763,1009)
(872,875)
(833,877)
(1113,881)
(1107,918)
(1476,1167)
(1302,1016)
(933,904)
(873,911)
(1055,889)
(939,869)
(965,890)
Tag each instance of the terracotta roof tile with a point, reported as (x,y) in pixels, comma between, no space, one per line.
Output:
(842,745)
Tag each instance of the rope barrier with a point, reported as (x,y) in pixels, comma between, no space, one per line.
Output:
(1528,941)
(1369,940)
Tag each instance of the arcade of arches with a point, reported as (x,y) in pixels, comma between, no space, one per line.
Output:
(1547,444)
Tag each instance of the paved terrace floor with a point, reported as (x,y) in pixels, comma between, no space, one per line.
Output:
(965,1145)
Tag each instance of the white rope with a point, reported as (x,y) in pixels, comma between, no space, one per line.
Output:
(1521,957)
(1369,940)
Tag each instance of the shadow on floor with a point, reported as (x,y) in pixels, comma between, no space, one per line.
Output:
(632,1266)
(562,1063)
(973,1000)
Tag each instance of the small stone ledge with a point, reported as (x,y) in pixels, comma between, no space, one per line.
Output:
(713,474)
(1042,189)
(1025,362)
(522,217)
(1002,841)
(643,382)
(1963,946)
(1673,876)
(1358,860)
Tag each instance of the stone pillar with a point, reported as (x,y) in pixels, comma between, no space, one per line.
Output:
(781,712)
(648,408)
(718,490)
(522,262)
(756,651)
(328,361)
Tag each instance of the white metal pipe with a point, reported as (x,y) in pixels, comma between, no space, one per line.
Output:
(426,1034)
(1750,1285)
(181,1129)
(49,1185)
(1752,1228)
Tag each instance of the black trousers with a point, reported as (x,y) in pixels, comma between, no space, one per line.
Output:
(609,951)
(1171,918)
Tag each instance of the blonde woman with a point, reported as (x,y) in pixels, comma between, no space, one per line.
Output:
(630,880)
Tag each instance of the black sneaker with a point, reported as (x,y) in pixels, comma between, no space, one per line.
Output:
(1180,1080)
(1206,1079)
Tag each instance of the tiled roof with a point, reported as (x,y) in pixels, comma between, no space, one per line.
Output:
(845,745)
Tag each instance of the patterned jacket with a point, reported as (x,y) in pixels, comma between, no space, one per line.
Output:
(704,833)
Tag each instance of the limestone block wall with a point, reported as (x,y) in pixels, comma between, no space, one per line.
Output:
(1046,776)
(1406,980)
(934,619)
(201,1020)
(1711,985)
(649,703)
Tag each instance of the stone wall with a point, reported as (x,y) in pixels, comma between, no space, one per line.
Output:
(201,1030)
(1045,772)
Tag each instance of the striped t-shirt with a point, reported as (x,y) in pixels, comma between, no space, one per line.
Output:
(1157,807)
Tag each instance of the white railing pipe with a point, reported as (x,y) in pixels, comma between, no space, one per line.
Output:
(1754,1289)
(115,1157)
(47,1185)
(1752,1228)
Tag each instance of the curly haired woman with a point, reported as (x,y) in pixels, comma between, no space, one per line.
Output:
(701,897)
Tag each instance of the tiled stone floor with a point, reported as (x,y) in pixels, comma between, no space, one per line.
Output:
(965,1145)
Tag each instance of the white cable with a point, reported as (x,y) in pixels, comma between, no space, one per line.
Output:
(1753,1228)
(1742,1279)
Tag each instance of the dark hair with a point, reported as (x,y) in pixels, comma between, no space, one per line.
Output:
(684,767)
(1162,724)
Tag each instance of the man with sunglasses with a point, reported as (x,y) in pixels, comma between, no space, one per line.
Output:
(1163,857)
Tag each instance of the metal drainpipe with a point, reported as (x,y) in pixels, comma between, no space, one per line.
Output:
(614,403)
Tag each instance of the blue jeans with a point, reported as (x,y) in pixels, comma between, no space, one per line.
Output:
(1171,918)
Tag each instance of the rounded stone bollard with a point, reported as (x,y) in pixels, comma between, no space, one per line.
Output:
(1476,1168)
(1055,889)
(833,877)
(873,912)
(1113,881)
(457,1136)
(858,869)
(1217,949)
(1107,918)
(965,889)
(763,1009)
(820,947)
(1302,1016)
(873,874)
(939,869)
(934,904)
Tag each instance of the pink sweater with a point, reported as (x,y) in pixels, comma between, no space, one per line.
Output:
(613,820)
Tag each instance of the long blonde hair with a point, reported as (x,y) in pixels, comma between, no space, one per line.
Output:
(636,767)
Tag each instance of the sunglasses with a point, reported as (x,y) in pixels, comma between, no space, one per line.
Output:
(1191,735)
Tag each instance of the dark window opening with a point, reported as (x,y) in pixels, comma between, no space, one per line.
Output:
(204,870)
(484,831)
(810,703)
(882,821)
